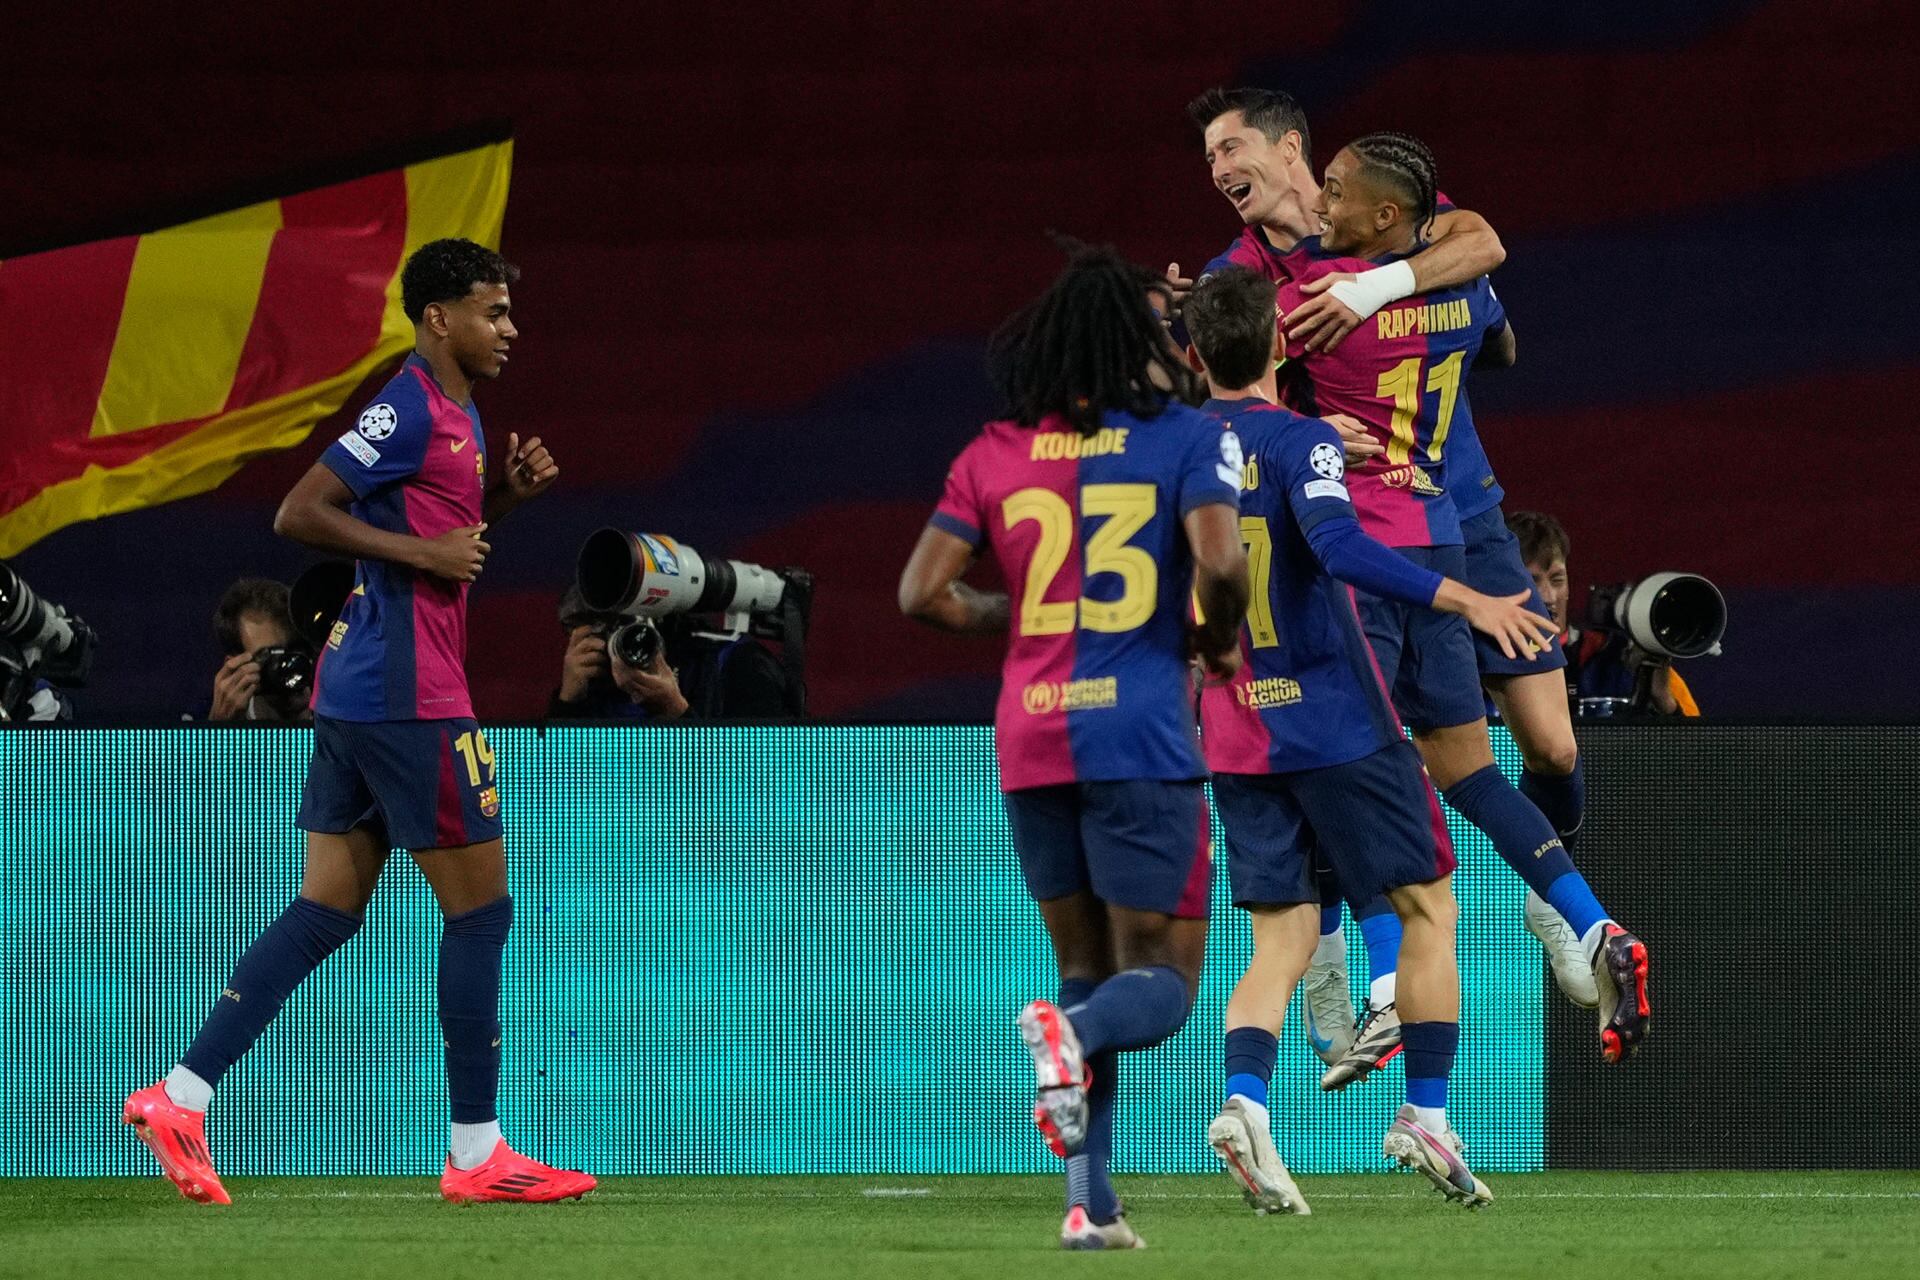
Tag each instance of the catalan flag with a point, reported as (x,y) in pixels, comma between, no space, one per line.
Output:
(138,370)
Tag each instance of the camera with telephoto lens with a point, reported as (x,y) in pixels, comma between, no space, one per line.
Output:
(1669,615)
(1664,617)
(649,575)
(39,640)
(645,577)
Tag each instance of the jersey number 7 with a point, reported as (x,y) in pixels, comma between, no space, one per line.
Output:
(1128,508)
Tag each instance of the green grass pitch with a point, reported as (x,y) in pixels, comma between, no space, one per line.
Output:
(1561,1226)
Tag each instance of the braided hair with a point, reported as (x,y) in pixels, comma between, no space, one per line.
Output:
(1090,343)
(1403,161)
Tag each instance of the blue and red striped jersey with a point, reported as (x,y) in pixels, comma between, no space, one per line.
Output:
(416,462)
(1089,532)
(1308,694)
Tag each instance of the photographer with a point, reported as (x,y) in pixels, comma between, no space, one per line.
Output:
(268,672)
(1600,664)
(691,676)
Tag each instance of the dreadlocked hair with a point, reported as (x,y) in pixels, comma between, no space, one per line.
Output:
(1404,161)
(1090,343)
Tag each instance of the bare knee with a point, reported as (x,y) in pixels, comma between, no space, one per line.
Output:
(1429,905)
(1077,927)
(1555,758)
(1149,939)
(466,877)
(1455,753)
(342,870)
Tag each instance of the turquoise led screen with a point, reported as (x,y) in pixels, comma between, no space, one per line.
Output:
(735,950)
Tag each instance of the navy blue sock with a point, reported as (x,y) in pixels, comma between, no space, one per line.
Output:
(1251,1053)
(1520,833)
(1330,897)
(1381,929)
(1088,1182)
(471,948)
(278,961)
(1429,1050)
(1134,1009)
(1562,798)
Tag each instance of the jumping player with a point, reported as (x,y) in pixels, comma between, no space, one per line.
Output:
(1308,761)
(1107,502)
(1257,150)
(1403,376)
(1259,155)
(398,759)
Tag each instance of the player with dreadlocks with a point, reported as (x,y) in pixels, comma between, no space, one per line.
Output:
(1107,501)
(1403,375)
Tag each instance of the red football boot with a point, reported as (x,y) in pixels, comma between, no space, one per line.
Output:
(178,1139)
(508,1175)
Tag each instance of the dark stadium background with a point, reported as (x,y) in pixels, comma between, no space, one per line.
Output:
(762,253)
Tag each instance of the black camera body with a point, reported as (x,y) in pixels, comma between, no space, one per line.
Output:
(286,679)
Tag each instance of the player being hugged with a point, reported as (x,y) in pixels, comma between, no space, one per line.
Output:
(1403,376)
(1108,502)
(1308,761)
(398,760)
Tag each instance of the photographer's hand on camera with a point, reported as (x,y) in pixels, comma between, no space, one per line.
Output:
(654,688)
(456,555)
(586,659)
(1661,686)
(233,687)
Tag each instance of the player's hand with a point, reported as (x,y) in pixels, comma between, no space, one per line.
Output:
(1518,630)
(1182,286)
(586,658)
(531,470)
(1354,438)
(1219,668)
(655,688)
(456,555)
(1321,320)
(233,687)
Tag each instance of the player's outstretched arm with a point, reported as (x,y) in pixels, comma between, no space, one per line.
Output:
(1219,585)
(315,514)
(1464,247)
(931,590)
(1355,557)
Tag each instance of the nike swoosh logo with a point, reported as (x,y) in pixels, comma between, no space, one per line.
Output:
(458,445)
(1314,1038)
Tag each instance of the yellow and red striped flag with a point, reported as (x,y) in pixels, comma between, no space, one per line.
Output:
(142,369)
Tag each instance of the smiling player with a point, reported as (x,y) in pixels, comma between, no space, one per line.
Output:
(398,759)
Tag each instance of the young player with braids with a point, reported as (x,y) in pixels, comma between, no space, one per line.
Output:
(1110,504)
(1403,375)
